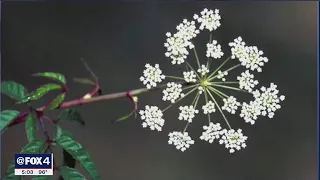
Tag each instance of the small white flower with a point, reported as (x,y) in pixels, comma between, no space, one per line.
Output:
(182,141)
(187,113)
(209,19)
(187,29)
(172,92)
(250,112)
(253,59)
(268,99)
(230,105)
(203,70)
(152,117)
(214,50)
(233,140)
(238,48)
(246,81)
(208,108)
(211,132)
(152,76)
(189,76)
(221,75)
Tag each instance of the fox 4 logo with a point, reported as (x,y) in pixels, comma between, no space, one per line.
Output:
(36,160)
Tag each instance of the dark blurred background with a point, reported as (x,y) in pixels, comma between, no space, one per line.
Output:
(117,39)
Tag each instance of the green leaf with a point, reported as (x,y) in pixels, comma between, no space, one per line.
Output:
(31,127)
(78,153)
(7,116)
(41,177)
(70,173)
(61,132)
(13,90)
(84,81)
(72,115)
(52,75)
(32,147)
(57,101)
(40,92)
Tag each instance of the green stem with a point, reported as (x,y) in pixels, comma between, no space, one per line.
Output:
(219,93)
(206,99)
(233,67)
(225,82)
(193,70)
(221,65)
(224,117)
(228,87)
(196,55)
(166,108)
(175,77)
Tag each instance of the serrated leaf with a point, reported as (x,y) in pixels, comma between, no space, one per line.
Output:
(57,101)
(52,75)
(78,153)
(84,81)
(7,116)
(14,90)
(42,177)
(40,92)
(31,127)
(31,148)
(70,173)
(72,115)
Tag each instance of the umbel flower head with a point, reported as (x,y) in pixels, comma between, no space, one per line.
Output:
(202,81)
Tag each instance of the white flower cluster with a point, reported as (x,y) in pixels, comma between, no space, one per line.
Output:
(238,48)
(214,50)
(268,99)
(189,76)
(203,70)
(182,141)
(230,105)
(209,19)
(208,108)
(202,81)
(211,132)
(152,117)
(249,56)
(246,81)
(172,92)
(233,140)
(152,76)
(266,102)
(177,44)
(187,113)
(250,112)
(221,75)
